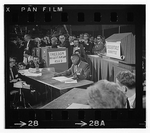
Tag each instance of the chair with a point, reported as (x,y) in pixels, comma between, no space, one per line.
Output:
(21,103)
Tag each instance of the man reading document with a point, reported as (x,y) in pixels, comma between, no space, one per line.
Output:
(78,70)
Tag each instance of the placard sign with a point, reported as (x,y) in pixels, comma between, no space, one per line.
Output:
(113,49)
(57,57)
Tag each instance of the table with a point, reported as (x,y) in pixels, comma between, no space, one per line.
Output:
(49,89)
(104,68)
(76,95)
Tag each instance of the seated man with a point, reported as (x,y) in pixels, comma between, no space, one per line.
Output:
(13,75)
(27,57)
(21,66)
(79,69)
(126,81)
(105,94)
(15,83)
(36,63)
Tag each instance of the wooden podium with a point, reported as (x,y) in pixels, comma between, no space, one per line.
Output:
(55,57)
(127,46)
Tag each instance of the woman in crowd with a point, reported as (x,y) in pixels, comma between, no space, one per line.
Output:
(54,42)
(99,45)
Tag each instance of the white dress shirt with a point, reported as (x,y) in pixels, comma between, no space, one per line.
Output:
(131,100)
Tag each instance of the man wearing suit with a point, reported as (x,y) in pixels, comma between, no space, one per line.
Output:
(29,43)
(79,46)
(13,72)
(36,63)
(27,57)
(63,42)
(78,70)
(126,81)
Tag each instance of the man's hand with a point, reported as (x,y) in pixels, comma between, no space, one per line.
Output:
(75,76)
(57,74)
(15,80)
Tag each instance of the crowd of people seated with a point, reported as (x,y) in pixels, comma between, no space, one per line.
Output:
(103,94)
(86,43)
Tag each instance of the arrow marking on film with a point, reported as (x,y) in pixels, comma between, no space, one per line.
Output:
(82,123)
(21,124)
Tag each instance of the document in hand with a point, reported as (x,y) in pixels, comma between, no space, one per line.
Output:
(18,84)
(65,79)
(78,106)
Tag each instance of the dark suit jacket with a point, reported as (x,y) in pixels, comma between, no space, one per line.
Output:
(64,44)
(31,46)
(87,48)
(31,64)
(82,51)
(15,74)
(83,71)
(99,48)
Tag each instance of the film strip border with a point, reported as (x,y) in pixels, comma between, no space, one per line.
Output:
(105,118)
(73,14)
(77,14)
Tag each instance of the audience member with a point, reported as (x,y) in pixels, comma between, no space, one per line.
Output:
(36,63)
(63,42)
(99,45)
(37,42)
(54,42)
(126,81)
(71,40)
(105,94)
(14,76)
(78,46)
(86,43)
(27,57)
(21,66)
(29,43)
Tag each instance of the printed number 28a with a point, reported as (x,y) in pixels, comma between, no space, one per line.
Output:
(33,123)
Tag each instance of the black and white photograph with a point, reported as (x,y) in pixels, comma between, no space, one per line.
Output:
(74,66)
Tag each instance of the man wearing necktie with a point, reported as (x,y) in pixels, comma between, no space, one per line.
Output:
(27,57)
(14,77)
(78,70)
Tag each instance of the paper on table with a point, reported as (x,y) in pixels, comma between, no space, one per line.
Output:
(23,71)
(72,81)
(78,106)
(63,79)
(27,73)
(33,74)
